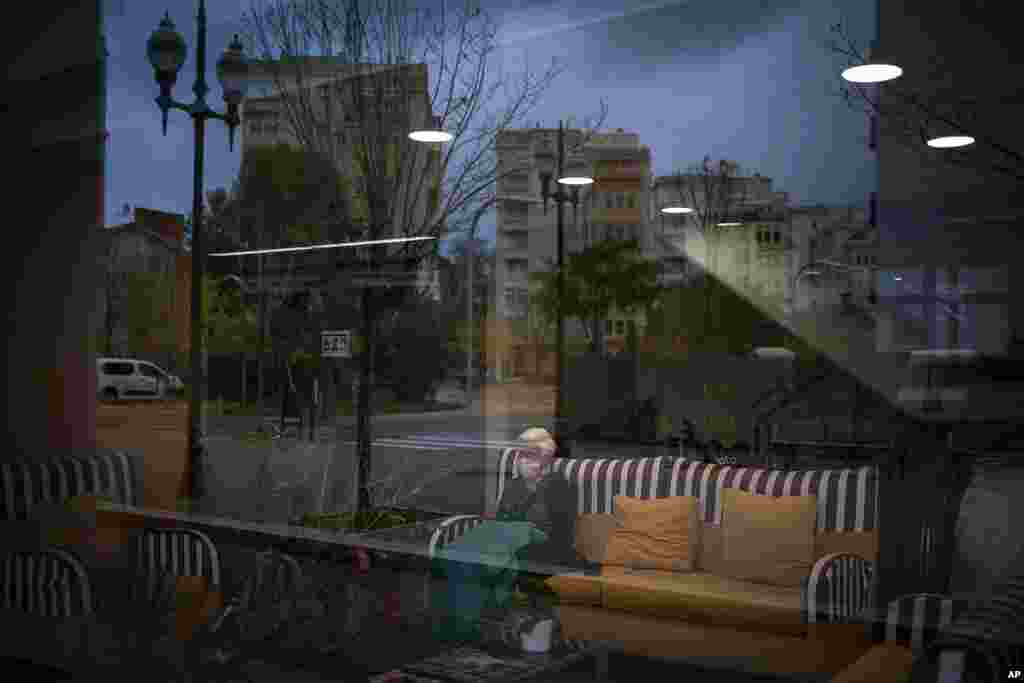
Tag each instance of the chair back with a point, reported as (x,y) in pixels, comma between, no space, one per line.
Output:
(49,582)
(164,553)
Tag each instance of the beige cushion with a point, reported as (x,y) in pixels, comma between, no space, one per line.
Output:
(663,533)
(592,533)
(768,539)
(861,543)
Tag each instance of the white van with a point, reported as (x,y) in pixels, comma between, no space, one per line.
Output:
(128,378)
(952,385)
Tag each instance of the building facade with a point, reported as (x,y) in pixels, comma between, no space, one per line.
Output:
(152,243)
(752,250)
(335,108)
(615,206)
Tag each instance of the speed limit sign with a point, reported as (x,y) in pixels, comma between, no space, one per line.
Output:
(336,344)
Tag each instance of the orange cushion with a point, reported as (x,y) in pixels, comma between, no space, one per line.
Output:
(592,534)
(654,534)
(577,588)
(887,662)
(768,539)
(196,604)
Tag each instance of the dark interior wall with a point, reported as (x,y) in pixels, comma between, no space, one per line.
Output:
(55,85)
(950,50)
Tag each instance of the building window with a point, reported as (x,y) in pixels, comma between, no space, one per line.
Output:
(609,200)
(620,327)
(510,297)
(631,200)
(608,327)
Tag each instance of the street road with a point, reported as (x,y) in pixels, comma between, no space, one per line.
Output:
(429,462)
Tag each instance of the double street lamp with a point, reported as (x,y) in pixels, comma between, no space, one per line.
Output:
(166,51)
(552,164)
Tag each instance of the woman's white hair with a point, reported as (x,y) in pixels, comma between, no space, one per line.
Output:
(539,438)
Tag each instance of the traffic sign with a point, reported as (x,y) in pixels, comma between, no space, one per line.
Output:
(336,343)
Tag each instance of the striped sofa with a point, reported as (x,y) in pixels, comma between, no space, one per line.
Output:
(702,616)
(26,484)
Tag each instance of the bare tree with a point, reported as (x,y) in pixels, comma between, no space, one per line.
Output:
(351,79)
(912,115)
(713,192)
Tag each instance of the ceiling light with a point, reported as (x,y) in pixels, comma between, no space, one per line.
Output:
(872,73)
(312,247)
(677,209)
(950,141)
(430,136)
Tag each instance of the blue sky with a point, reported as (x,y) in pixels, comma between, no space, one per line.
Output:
(748,80)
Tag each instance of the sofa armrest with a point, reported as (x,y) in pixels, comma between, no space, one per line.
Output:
(450,529)
(838,589)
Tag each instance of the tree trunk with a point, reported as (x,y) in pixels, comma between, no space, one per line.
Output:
(245,391)
(364,434)
(261,354)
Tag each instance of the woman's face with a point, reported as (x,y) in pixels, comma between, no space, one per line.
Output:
(531,464)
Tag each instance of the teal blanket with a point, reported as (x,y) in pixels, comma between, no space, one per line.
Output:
(480,567)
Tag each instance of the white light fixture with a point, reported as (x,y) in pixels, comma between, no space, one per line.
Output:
(676,209)
(434,136)
(312,247)
(729,225)
(872,73)
(576,174)
(951,141)
(876,69)
(576,180)
(897,278)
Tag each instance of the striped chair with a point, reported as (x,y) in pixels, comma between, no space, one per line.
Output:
(46,598)
(25,484)
(276,584)
(931,637)
(175,552)
(982,642)
(49,583)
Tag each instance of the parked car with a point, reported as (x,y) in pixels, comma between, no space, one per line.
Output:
(129,378)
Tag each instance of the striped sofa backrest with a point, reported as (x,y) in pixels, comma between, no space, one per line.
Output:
(49,582)
(597,480)
(847,498)
(26,483)
(176,552)
(451,529)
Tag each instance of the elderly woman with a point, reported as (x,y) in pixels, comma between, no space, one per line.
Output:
(543,497)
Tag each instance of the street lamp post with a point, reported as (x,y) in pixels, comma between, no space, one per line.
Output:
(166,51)
(550,163)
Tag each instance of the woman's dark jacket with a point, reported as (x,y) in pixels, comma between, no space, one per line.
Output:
(552,507)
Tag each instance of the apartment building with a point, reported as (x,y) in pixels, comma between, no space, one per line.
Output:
(753,244)
(338,105)
(615,206)
(836,252)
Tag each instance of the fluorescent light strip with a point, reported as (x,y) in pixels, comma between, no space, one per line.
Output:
(393,240)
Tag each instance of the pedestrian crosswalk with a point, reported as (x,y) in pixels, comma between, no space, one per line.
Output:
(445,441)
(441,441)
